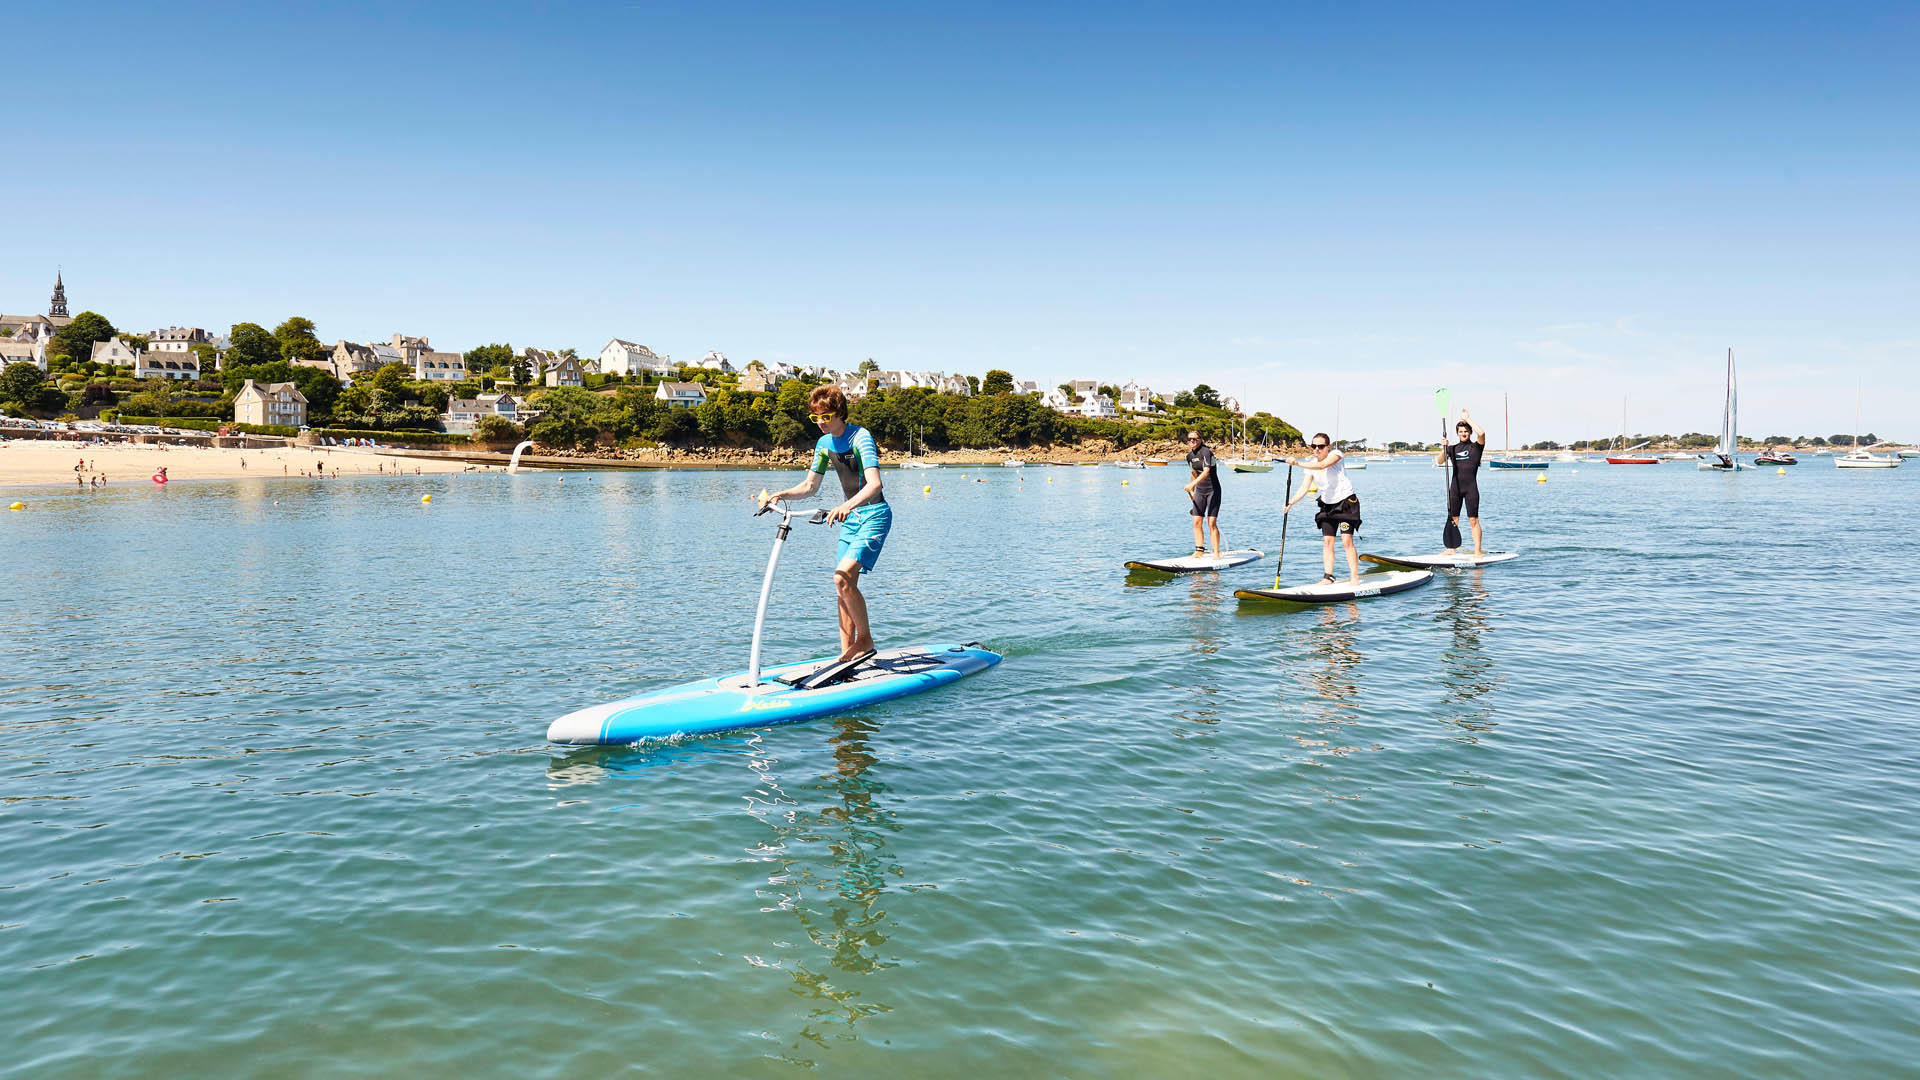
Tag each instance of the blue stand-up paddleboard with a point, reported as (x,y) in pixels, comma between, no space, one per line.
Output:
(756,698)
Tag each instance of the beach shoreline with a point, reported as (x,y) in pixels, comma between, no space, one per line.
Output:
(41,463)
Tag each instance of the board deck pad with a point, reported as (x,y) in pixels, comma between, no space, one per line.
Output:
(1441,560)
(1331,592)
(1188,564)
(730,702)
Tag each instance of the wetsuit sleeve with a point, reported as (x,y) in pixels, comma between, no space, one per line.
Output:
(821,462)
(868,453)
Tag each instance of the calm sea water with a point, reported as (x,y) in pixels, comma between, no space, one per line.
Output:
(276,799)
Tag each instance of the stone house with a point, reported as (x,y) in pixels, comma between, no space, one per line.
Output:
(275,403)
(177,339)
(563,371)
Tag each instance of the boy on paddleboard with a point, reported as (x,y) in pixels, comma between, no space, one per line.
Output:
(1463,458)
(864,516)
(1204,490)
(1339,513)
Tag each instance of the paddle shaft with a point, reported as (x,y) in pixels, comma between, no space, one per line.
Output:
(1286,514)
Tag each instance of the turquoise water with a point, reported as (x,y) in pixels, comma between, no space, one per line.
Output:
(1644,802)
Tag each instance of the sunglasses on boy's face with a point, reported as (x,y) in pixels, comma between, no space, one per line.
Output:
(1319,446)
(820,418)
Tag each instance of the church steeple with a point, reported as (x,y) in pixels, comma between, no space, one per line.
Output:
(59,308)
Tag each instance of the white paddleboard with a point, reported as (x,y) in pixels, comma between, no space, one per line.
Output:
(1191,564)
(1441,560)
(1330,592)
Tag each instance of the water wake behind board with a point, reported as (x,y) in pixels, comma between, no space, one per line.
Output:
(1441,560)
(1332,592)
(731,702)
(1191,564)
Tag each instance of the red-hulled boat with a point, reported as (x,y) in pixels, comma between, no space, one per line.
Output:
(1633,461)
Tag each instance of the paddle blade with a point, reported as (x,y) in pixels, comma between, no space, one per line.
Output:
(1443,401)
(1450,535)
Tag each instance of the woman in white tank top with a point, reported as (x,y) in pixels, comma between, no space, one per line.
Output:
(1339,506)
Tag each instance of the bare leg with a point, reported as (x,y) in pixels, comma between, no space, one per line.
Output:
(1326,555)
(1477,549)
(1353,559)
(1198,541)
(1213,526)
(856,636)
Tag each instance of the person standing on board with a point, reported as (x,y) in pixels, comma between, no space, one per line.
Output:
(1339,513)
(1463,458)
(1204,489)
(864,516)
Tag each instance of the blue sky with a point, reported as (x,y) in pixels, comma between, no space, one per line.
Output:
(1349,203)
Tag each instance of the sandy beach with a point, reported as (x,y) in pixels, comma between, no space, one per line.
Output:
(41,462)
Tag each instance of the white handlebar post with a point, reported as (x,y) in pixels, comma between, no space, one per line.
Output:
(766,583)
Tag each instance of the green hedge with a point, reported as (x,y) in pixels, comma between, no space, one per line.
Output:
(198,423)
(394,436)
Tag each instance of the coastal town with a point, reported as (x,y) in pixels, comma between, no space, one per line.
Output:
(287,380)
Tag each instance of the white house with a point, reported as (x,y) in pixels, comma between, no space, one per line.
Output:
(1057,400)
(177,339)
(439,366)
(622,357)
(1026,386)
(956,384)
(563,371)
(1097,406)
(23,352)
(1137,398)
(852,383)
(1231,404)
(115,351)
(463,413)
(275,403)
(681,395)
(716,360)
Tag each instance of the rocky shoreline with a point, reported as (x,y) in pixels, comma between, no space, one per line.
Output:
(1092,450)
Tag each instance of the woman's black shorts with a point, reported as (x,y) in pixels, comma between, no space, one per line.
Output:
(1469,495)
(1206,501)
(1343,516)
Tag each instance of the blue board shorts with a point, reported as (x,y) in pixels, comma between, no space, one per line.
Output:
(863,534)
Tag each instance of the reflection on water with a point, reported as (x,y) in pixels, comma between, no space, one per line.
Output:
(1468,674)
(834,869)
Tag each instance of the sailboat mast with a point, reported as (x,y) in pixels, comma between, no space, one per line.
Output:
(1506,411)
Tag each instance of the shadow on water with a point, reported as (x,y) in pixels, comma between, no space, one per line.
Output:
(830,843)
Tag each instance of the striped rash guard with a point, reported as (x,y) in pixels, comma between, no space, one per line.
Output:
(849,456)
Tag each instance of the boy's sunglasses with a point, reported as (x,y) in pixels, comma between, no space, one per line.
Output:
(820,418)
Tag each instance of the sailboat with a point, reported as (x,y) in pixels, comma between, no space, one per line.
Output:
(1626,457)
(1858,458)
(1505,460)
(1242,462)
(913,460)
(1723,460)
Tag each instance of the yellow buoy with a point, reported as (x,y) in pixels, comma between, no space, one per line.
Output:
(1782,471)
(1539,479)
(18,506)
(928,490)
(426,498)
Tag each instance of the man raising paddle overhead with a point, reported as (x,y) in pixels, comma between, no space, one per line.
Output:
(864,515)
(1463,458)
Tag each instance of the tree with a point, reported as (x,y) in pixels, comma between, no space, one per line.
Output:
(1112,392)
(1207,395)
(495,429)
(675,426)
(208,356)
(488,357)
(997,382)
(522,369)
(77,337)
(297,341)
(392,378)
(868,365)
(249,345)
(20,382)
(1185,400)
(1067,389)
(973,384)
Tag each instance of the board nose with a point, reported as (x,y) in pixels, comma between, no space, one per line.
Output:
(577,729)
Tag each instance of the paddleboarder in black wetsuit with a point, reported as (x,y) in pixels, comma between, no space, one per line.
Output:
(1463,458)
(1204,490)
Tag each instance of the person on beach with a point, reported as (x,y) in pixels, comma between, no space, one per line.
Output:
(1203,489)
(1339,513)
(863,515)
(1463,458)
